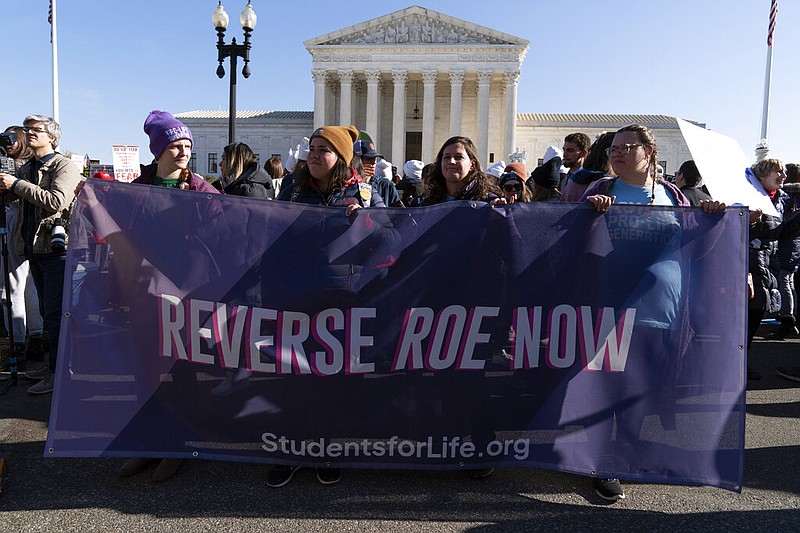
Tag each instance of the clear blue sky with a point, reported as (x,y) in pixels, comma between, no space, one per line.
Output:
(701,60)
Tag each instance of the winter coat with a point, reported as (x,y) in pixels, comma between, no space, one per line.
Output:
(253,182)
(788,256)
(764,236)
(576,186)
(351,194)
(50,192)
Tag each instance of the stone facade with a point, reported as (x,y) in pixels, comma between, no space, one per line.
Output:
(412,79)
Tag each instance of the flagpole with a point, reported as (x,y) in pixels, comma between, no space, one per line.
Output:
(54,42)
(762,148)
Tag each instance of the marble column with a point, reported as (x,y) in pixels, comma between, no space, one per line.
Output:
(400,77)
(456,85)
(428,115)
(482,144)
(510,138)
(373,77)
(346,97)
(319,77)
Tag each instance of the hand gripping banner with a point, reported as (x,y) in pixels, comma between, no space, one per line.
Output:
(453,336)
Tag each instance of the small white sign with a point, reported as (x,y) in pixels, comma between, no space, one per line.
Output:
(126,162)
(723,166)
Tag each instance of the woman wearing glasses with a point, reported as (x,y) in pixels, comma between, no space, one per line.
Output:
(514,188)
(639,268)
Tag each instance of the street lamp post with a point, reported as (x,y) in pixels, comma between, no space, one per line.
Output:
(220,19)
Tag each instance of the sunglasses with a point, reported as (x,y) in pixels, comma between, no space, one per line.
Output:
(512,187)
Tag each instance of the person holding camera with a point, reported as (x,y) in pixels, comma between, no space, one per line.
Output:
(45,186)
(25,317)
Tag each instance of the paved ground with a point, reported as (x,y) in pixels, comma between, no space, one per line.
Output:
(85,494)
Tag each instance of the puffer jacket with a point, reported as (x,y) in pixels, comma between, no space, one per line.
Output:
(764,236)
(50,193)
(254,182)
(788,256)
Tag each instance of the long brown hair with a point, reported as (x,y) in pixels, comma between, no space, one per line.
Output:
(339,175)
(238,157)
(437,191)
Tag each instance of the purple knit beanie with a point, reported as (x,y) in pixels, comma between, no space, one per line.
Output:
(163,130)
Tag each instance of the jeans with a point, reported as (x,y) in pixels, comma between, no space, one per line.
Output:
(48,275)
(788,294)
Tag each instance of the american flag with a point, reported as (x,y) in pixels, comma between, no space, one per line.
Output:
(50,19)
(773,15)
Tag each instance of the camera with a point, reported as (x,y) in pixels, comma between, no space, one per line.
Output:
(58,234)
(8,138)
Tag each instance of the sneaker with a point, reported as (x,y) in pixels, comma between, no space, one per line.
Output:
(329,476)
(280,475)
(37,374)
(792,373)
(481,473)
(610,489)
(44,386)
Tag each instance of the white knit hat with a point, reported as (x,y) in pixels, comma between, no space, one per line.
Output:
(383,168)
(413,169)
(497,169)
(551,152)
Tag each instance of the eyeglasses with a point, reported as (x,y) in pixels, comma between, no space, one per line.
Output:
(35,131)
(625,149)
(512,187)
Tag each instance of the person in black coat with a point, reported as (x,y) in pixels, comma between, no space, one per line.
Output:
(690,183)
(242,175)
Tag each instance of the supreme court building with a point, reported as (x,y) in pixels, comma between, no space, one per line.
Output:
(412,79)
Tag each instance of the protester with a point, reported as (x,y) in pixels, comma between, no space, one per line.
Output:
(690,183)
(328,180)
(410,186)
(294,163)
(514,188)
(45,186)
(788,259)
(576,148)
(634,156)
(171,145)
(274,168)
(383,185)
(457,174)
(765,232)
(495,171)
(26,319)
(241,174)
(545,178)
(595,166)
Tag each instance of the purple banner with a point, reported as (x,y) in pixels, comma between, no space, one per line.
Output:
(454,336)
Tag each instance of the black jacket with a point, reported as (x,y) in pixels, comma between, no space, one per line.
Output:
(254,182)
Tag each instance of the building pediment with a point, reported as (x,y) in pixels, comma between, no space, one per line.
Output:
(415,26)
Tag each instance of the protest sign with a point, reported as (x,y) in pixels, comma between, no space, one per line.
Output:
(446,337)
(126,162)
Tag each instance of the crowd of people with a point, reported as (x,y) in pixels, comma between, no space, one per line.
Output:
(334,166)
